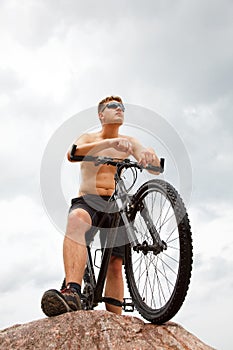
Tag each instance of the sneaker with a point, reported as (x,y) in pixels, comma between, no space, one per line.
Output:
(55,303)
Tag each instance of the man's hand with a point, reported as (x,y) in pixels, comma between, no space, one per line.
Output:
(148,156)
(121,144)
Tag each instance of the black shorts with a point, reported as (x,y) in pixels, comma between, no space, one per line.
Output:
(101,212)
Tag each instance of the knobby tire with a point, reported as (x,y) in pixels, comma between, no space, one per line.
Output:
(145,273)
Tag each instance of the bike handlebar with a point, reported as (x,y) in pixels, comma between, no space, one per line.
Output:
(123,163)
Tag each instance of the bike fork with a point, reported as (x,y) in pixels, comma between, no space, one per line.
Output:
(158,244)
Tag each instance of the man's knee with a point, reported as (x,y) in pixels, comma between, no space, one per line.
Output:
(79,222)
(115,266)
(79,218)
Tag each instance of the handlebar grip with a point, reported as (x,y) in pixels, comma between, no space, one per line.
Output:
(72,152)
(80,158)
(159,169)
(162,162)
(73,156)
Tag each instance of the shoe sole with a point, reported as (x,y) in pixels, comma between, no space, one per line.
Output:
(53,304)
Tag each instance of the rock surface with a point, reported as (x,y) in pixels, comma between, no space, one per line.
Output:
(98,330)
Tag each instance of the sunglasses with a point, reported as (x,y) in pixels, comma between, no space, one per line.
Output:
(114,105)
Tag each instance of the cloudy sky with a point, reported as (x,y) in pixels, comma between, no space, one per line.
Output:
(61,57)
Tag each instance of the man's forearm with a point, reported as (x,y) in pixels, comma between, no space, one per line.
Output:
(91,148)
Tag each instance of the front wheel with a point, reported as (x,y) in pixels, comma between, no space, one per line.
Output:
(158,280)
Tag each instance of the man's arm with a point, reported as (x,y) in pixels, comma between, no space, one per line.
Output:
(84,146)
(144,155)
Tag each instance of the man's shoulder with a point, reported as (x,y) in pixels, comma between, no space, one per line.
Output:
(129,138)
(89,137)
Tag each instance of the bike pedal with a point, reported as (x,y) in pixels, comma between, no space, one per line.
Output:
(128,305)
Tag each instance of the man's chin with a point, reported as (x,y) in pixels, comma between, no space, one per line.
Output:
(118,120)
(114,122)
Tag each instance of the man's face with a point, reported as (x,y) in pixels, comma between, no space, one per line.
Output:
(112,113)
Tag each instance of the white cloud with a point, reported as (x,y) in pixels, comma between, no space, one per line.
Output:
(31,250)
(173,57)
(209,299)
(212,226)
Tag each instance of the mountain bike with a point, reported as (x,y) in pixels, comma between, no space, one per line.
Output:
(158,252)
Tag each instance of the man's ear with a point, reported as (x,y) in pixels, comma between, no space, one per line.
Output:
(101,117)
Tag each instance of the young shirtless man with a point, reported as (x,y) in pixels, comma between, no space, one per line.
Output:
(97,185)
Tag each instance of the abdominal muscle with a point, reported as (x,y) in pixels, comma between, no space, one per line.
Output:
(97,180)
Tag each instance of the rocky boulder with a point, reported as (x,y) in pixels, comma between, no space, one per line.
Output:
(98,330)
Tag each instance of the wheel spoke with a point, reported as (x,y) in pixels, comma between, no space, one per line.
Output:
(170,257)
(172,240)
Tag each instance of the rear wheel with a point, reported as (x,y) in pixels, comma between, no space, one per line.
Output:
(158,280)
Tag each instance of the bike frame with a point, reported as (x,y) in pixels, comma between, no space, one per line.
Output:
(123,201)
(122,198)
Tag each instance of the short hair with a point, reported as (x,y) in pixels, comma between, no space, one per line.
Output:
(108,99)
